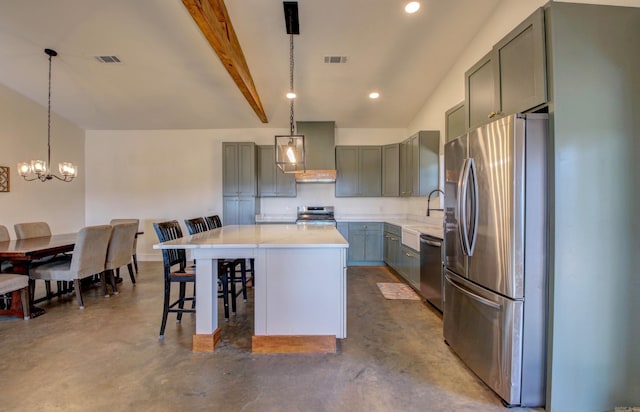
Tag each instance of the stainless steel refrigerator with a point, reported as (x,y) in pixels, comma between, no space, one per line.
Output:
(495,277)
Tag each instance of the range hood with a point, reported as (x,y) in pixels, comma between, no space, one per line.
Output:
(320,155)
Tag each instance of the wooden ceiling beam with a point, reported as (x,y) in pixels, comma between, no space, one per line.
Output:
(213,20)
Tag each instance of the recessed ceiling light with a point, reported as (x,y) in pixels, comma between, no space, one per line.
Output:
(291,95)
(374,95)
(412,7)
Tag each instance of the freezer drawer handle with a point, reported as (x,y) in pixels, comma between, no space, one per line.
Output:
(432,243)
(473,296)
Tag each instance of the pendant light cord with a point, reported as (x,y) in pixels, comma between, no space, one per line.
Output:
(49,121)
(291,128)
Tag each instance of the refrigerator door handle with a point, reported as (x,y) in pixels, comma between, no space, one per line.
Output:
(463,185)
(472,232)
(472,295)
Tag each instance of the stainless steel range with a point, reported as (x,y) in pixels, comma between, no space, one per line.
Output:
(315,215)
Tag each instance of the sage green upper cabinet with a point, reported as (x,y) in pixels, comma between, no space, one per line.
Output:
(391,170)
(359,171)
(239,171)
(419,157)
(512,77)
(319,144)
(272,182)
(454,122)
(520,67)
(480,92)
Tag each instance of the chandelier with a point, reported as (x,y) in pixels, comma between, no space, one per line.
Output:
(290,148)
(39,169)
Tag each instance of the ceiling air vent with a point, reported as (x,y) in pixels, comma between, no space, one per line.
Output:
(108,59)
(335,59)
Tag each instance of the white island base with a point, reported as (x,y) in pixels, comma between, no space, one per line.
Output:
(300,285)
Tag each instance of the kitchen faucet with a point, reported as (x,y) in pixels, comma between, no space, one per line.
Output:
(429,201)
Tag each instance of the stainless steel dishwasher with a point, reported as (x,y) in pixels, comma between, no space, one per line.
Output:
(431,270)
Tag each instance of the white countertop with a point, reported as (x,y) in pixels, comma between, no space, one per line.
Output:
(261,236)
(425,225)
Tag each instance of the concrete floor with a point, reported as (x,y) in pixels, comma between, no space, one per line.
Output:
(107,357)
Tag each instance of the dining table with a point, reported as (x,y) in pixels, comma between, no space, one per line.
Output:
(21,253)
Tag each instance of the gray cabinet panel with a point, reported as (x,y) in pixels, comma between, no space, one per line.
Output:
(365,243)
(391,170)
(521,66)
(347,171)
(512,77)
(319,142)
(480,92)
(272,182)
(410,266)
(239,169)
(370,171)
(454,122)
(240,210)
(359,171)
(419,159)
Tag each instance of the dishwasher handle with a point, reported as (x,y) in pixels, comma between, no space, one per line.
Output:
(430,240)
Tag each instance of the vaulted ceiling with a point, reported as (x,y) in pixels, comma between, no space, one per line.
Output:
(169,77)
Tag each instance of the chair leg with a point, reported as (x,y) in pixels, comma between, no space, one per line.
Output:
(113,282)
(224,278)
(183,289)
(133,278)
(252,270)
(26,303)
(232,281)
(76,283)
(32,289)
(243,279)
(103,282)
(165,310)
(135,262)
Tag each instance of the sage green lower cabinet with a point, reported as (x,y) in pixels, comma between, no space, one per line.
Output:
(365,243)
(240,210)
(392,235)
(410,266)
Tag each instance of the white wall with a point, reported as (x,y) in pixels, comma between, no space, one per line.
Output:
(177,174)
(23,137)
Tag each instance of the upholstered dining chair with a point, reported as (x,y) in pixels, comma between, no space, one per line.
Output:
(4,234)
(134,251)
(88,259)
(28,230)
(119,254)
(4,237)
(11,282)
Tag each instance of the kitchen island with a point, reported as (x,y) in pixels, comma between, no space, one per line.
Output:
(299,286)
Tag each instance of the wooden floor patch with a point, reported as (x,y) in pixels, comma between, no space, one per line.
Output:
(294,344)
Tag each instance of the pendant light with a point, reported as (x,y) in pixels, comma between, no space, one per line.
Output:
(39,169)
(290,156)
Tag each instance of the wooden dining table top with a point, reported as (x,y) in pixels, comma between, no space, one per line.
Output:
(37,246)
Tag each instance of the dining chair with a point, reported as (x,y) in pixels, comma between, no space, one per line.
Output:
(134,251)
(171,258)
(119,254)
(211,222)
(235,266)
(11,282)
(88,259)
(28,230)
(239,267)
(196,225)
(4,234)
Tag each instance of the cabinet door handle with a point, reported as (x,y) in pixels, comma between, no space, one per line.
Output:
(493,114)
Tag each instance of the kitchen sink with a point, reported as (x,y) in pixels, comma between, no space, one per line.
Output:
(411,238)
